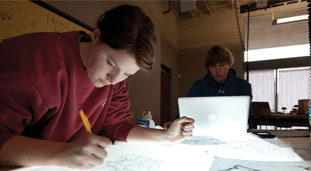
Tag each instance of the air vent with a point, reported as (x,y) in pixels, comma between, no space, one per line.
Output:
(187,5)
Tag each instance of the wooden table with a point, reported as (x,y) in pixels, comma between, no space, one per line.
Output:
(279,120)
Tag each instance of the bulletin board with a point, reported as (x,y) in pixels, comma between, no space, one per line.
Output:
(22,17)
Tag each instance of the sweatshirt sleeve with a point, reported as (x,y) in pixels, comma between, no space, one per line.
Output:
(18,101)
(117,125)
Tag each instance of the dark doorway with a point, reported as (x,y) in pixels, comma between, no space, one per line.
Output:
(165,94)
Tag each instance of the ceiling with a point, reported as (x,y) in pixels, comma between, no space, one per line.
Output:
(261,32)
(197,8)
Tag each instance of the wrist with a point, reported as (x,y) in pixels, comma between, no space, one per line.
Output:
(165,137)
(58,154)
(171,136)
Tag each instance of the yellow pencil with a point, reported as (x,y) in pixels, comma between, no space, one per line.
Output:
(85,121)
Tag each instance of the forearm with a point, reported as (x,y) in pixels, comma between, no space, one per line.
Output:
(179,130)
(149,135)
(24,151)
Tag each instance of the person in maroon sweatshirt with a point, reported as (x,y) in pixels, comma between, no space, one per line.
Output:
(47,77)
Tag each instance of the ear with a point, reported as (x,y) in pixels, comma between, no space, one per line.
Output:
(96,34)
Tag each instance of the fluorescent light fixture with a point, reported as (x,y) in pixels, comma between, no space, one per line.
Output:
(293,19)
(278,53)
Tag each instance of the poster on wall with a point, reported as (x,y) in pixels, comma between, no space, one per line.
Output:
(22,17)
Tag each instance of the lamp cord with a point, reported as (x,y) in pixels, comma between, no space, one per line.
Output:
(240,36)
(238,24)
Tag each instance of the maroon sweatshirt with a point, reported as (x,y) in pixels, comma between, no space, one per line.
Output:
(43,83)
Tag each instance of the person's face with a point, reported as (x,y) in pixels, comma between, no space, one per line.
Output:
(107,66)
(219,72)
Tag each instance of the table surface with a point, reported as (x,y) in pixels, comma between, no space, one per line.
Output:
(203,153)
(297,139)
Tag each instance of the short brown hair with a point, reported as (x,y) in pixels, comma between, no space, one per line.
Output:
(218,54)
(127,28)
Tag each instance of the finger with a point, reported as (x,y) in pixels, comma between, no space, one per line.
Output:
(99,152)
(95,160)
(184,120)
(188,128)
(101,141)
(188,136)
(89,161)
(186,132)
(188,124)
(165,125)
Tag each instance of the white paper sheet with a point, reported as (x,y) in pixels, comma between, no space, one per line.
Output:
(194,154)
(222,164)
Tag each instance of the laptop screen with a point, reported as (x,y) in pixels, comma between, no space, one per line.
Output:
(219,115)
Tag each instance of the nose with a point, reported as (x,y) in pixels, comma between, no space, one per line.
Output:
(115,77)
(217,68)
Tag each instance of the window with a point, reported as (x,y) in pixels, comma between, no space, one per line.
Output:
(292,86)
(263,86)
(281,87)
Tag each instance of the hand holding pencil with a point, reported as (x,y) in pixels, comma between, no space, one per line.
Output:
(87,151)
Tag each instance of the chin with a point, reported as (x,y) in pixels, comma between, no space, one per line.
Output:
(98,84)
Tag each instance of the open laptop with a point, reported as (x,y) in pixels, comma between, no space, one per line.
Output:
(216,115)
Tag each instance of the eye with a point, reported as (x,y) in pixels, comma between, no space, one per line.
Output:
(110,63)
